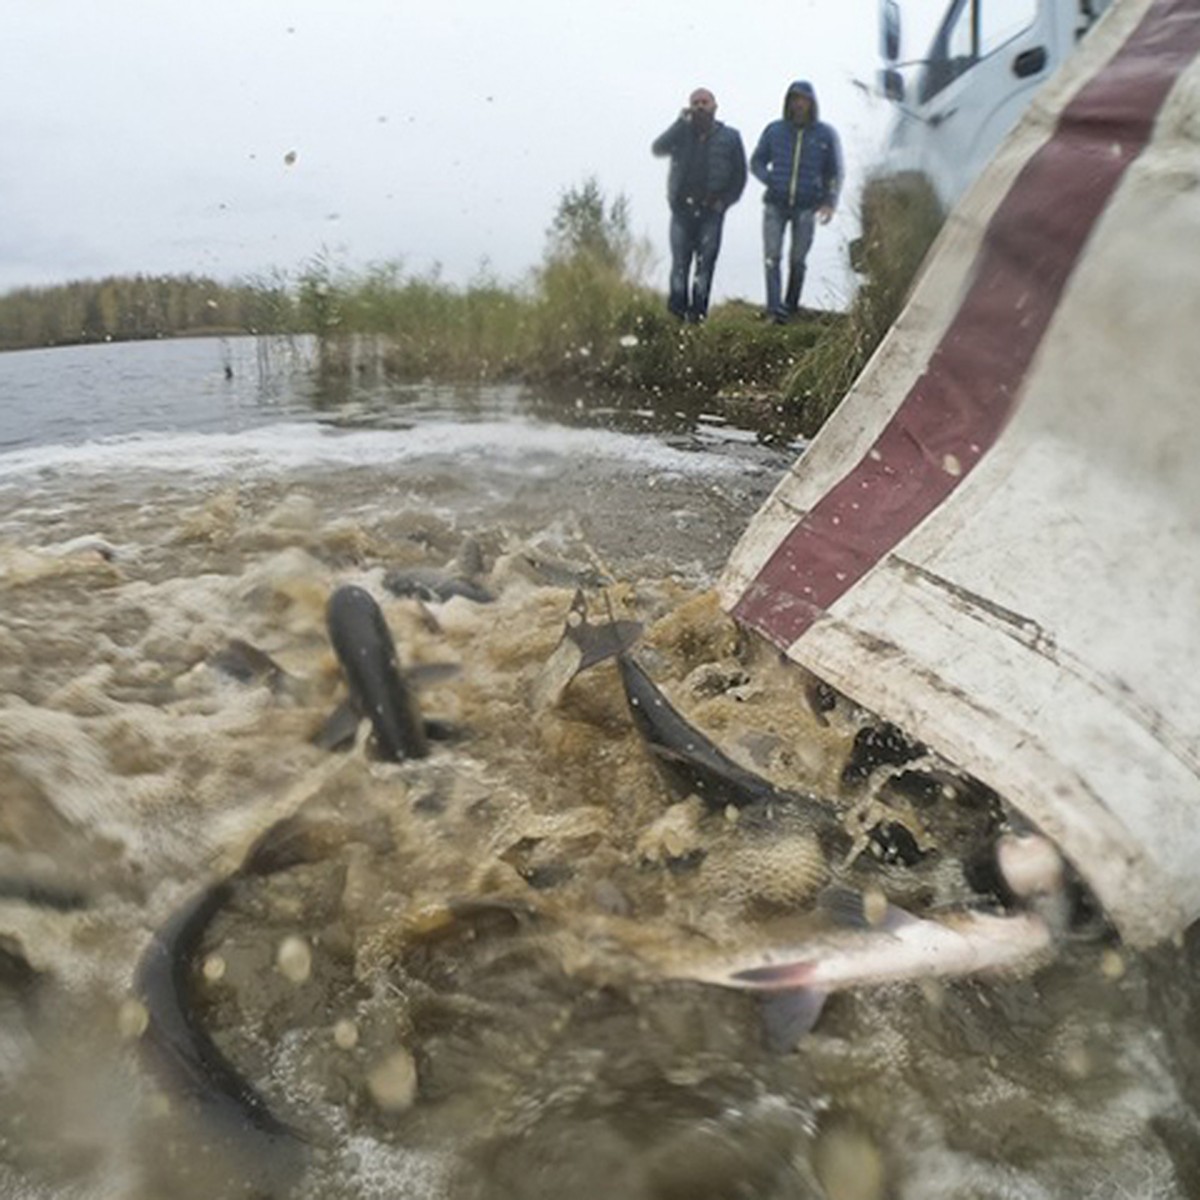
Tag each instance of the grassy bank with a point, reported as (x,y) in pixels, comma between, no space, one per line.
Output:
(579,323)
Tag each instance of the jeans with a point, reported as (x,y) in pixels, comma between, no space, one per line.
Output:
(775,223)
(695,235)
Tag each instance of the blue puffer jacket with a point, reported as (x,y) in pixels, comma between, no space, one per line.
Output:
(805,176)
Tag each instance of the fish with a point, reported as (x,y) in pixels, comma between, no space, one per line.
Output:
(693,765)
(434,586)
(539,566)
(44,893)
(248,664)
(378,691)
(87,544)
(796,980)
(863,949)
(175,1045)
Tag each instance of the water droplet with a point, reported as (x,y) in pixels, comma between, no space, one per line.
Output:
(345,1034)
(293,959)
(132,1019)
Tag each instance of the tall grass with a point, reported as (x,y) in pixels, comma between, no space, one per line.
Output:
(575,321)
(586,316)
(899,222)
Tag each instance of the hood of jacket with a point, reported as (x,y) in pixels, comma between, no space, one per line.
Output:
(805,88)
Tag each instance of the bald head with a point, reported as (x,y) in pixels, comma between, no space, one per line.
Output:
(702,108)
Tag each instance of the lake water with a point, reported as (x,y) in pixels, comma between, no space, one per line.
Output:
(462,992)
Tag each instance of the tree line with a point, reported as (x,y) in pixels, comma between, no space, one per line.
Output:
(126,308)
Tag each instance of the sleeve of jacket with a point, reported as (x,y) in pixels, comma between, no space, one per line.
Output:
(666,141)
(737,183)
(832,175)
(761,157)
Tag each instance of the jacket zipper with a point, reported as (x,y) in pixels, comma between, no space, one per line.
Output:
(795,168)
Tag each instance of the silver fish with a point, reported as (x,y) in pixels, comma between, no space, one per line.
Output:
(900,947)
(797,979)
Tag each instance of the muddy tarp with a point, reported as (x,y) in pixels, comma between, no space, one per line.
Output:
(995,540)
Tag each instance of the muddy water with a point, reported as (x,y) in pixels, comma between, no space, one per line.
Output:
(461,990)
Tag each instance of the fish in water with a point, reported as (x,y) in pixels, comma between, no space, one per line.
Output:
(43,893)
(435,586)
(541,567)
(378,691)
(176,1045)
(693,765)
(248,664)
(892,945)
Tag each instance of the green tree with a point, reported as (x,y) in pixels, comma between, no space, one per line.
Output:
(586,226)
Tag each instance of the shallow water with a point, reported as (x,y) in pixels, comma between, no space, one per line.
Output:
(463,992)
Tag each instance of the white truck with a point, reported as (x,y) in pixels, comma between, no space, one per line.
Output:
(992,540)
(954,105)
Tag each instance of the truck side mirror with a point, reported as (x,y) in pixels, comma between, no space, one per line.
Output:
(889,30)
(891,84)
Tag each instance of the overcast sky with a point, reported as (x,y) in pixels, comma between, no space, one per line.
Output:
(234,137)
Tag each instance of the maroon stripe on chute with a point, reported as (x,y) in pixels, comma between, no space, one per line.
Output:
(957,408)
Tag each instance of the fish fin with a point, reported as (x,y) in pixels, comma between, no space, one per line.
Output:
(581,646)
(788,1016)
(597,643)
(555,675)
(848,908)
(424,675)
(439,730)
(340,728)
(774,977)
(845,906)
(285,844)
(470,557)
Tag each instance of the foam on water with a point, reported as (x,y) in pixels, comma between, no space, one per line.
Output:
(522,445)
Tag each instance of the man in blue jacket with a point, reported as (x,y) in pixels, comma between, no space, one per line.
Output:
(800,161)
(707,175)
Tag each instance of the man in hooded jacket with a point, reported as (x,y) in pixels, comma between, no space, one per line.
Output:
(707,176)
(799,159)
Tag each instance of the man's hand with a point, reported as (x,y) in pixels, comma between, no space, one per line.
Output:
(825,214)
